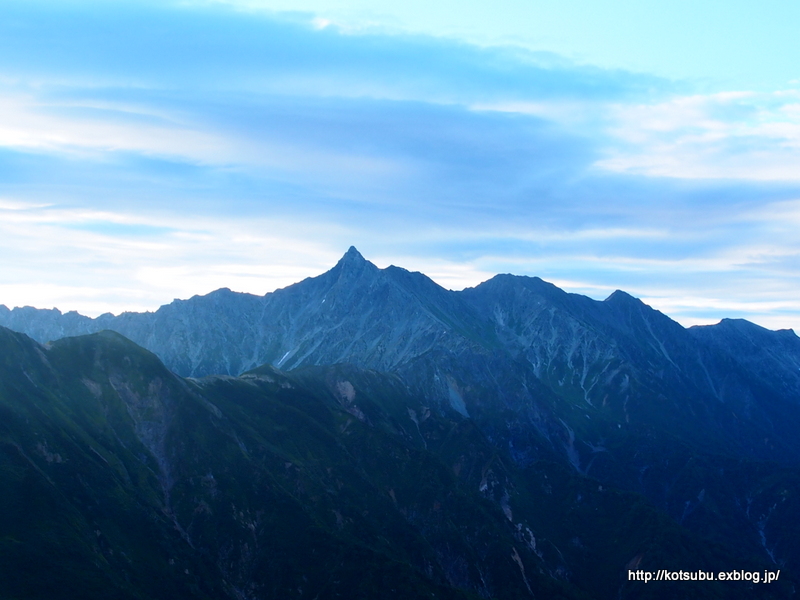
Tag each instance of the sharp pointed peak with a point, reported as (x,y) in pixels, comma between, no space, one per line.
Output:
(352,261)
(353,254)
(621,296)
(352,258)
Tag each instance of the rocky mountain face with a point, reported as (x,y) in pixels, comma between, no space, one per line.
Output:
(120,479)
(353,313)
(700,421)
(513,345)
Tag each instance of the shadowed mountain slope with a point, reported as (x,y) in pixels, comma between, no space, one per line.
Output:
(610,389)
(516,346)
(120,479)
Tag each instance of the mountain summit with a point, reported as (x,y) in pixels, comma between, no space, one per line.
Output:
(543,355)
(613,390)
(352,256)
(351,267)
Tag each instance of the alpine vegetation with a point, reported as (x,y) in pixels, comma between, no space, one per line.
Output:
(369,434)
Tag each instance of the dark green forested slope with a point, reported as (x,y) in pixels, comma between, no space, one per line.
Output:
(119,479)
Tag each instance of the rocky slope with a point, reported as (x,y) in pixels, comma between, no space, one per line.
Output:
(694,419)
(513,343)
(120,479)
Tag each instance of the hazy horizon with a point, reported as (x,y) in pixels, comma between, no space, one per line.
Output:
(154,309)
(152,151)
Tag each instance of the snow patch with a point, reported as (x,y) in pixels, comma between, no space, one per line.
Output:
(456,401)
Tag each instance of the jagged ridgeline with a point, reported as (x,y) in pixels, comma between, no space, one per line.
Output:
(507,441)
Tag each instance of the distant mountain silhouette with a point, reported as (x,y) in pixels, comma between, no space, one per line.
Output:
(696,420)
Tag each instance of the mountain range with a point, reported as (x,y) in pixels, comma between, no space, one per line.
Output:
(534,441)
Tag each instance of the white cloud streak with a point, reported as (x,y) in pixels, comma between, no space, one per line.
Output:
(122,188)
(98,271)
(734,135)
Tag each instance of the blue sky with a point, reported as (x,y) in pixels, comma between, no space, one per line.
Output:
(151,151)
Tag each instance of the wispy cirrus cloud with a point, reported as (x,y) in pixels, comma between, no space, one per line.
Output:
(87,256)
(158,151)
(736,135)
